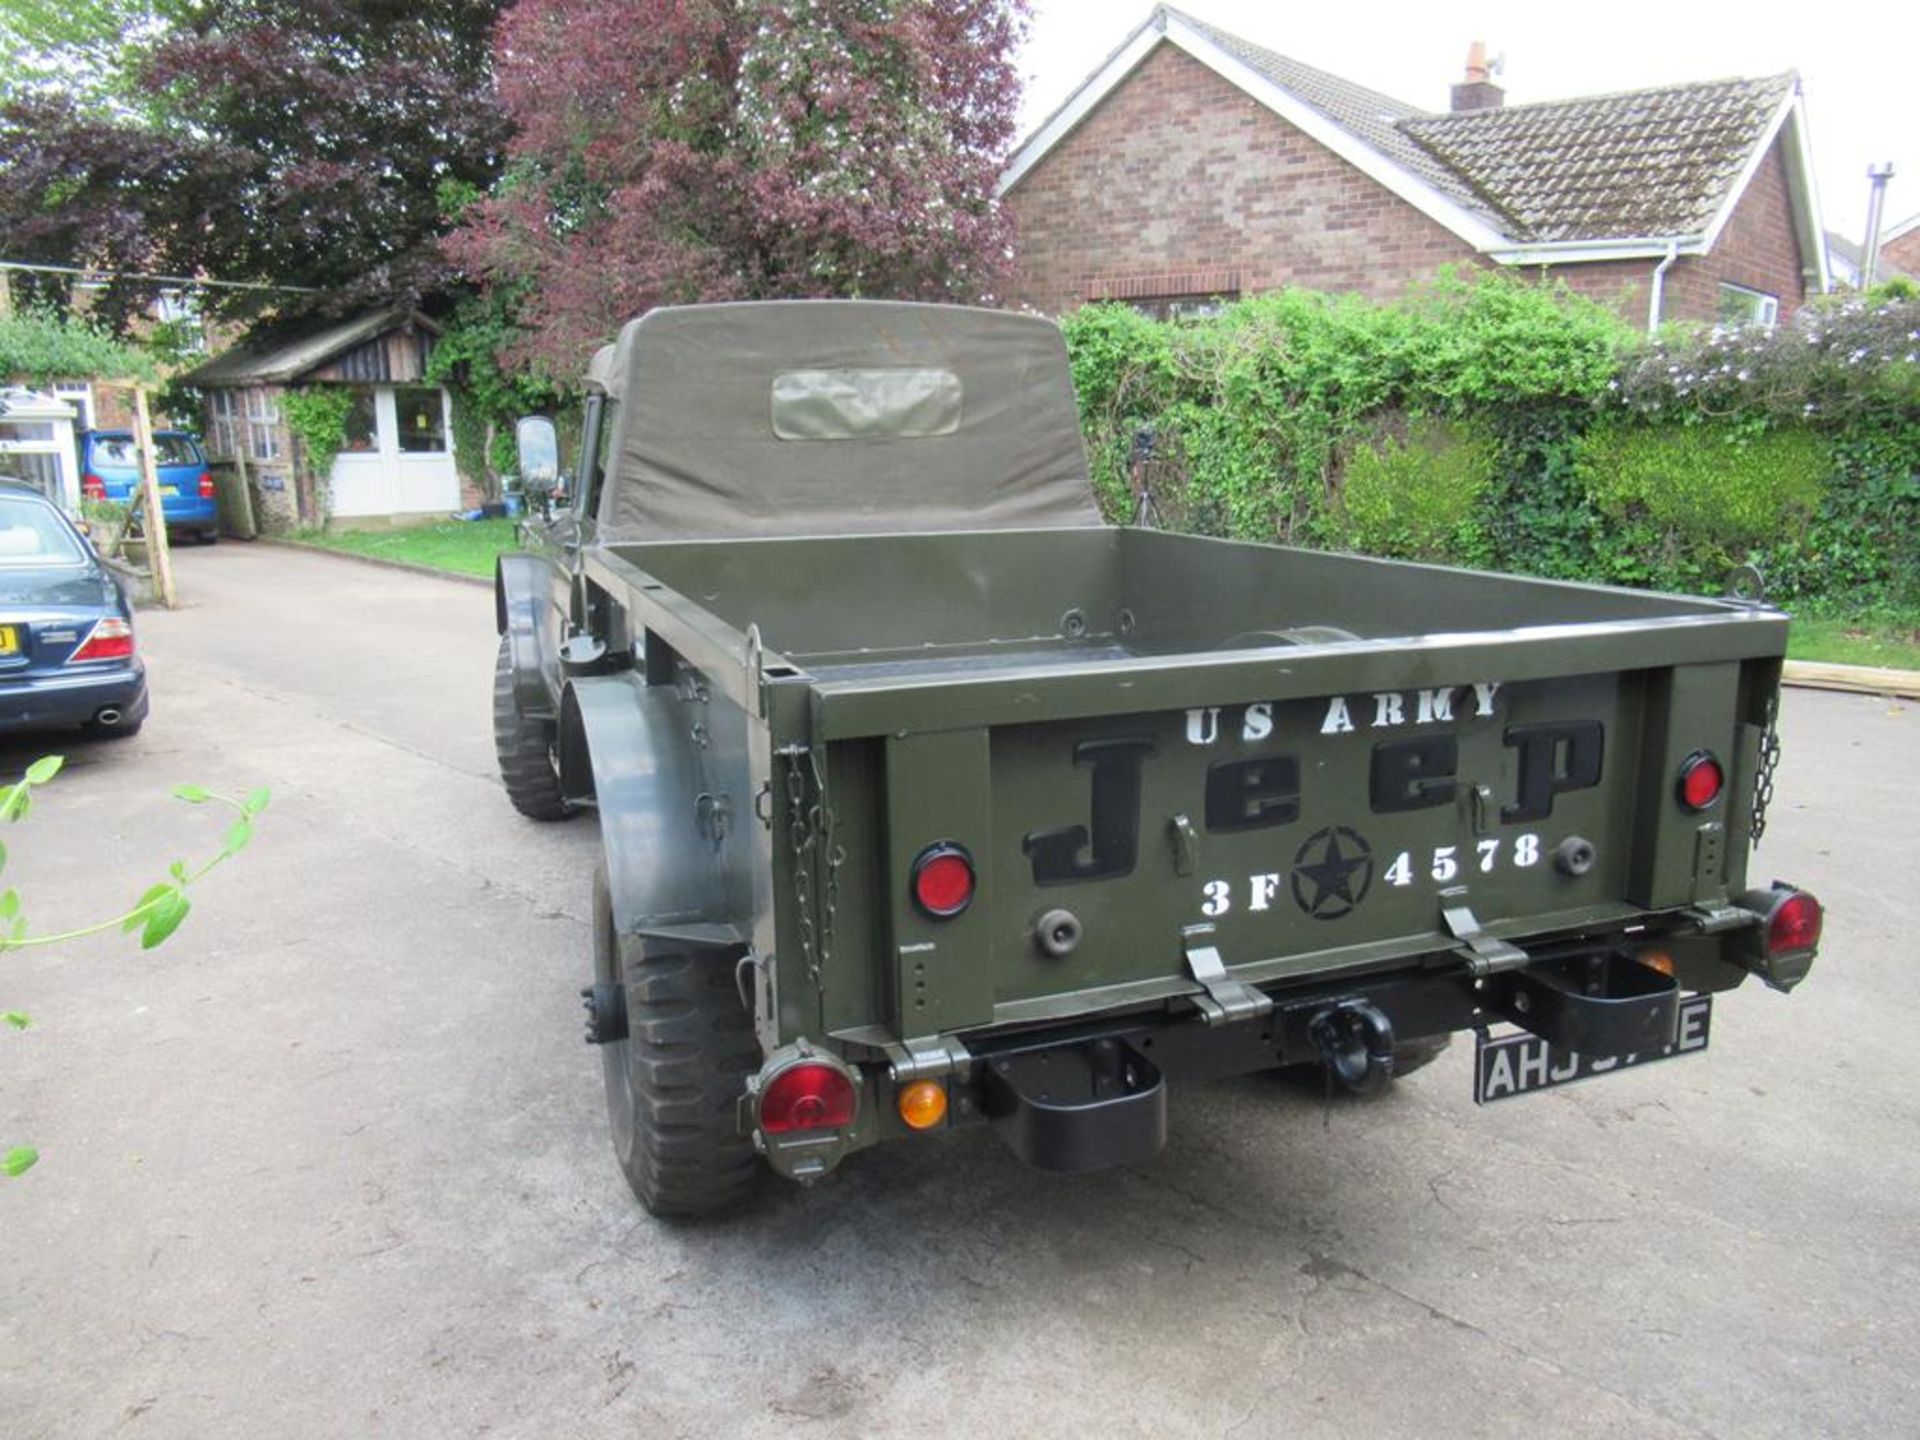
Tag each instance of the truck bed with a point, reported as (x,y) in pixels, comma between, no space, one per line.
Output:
(1009,596)
(1335,764)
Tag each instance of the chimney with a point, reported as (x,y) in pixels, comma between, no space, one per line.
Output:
(1477,91)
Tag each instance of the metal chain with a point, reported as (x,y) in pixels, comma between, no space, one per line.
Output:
(800,834)
(1769,758)
(836,857)
(810,825)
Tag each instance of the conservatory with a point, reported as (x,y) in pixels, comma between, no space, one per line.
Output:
(37,445)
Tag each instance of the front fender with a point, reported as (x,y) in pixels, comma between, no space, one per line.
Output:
(660,766)
(520,586)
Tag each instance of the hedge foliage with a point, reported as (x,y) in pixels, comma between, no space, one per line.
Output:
(40,347)
(1500,422)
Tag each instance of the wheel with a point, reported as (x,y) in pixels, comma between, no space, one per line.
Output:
(673,1085)
(207,537)
(525,751)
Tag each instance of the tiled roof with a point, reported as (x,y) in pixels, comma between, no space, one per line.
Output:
(1644,163)
(281,361)
(1641,163)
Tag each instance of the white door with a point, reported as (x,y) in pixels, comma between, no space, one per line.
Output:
(424,477)
(359,479)
(399,454)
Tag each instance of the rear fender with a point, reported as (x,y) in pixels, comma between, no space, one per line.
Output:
(667,771)
(520,585)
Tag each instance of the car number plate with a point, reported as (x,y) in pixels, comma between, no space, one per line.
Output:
(1520,1064)
(169,491)
(9,640)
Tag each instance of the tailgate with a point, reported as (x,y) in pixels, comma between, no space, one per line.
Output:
(1313,834)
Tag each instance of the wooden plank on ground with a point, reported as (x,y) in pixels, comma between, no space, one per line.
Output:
(1860,679)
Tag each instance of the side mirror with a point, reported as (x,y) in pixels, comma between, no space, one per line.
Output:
(539,447)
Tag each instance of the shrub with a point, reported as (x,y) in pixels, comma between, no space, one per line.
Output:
(1417,498)
(1702,494)
(1252,407)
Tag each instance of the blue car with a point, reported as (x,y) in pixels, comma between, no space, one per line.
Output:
(110,470)
(67,655)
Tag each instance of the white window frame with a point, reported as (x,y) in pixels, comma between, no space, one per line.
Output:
(263,424)
(222,423)
(79,394)
(1764,309)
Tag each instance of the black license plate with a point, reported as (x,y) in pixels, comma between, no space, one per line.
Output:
(1520,1064)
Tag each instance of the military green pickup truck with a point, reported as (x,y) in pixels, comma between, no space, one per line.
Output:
(929,801)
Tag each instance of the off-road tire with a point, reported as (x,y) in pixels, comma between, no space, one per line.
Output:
(674,1084)
(525,750)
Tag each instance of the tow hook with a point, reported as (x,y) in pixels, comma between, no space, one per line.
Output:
(1356,1040)
(606,1006)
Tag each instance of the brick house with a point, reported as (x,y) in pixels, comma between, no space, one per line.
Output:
(1900,246)
(1845,261)
(1195,166)
(398,459)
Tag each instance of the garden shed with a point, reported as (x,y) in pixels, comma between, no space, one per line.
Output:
(396,459)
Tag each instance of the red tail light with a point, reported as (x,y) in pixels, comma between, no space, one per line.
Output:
(943,880)
(1794,923)
(206,485)
(110,639)
(93,487)
(1701,780)
(811,1095)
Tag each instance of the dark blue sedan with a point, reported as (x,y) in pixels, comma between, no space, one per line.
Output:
(110,470)
(67,656)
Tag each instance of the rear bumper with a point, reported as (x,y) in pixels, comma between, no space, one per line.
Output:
(190,512)
(1089,1094)
(63,701)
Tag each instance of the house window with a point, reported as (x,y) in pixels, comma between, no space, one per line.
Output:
(1183,307)
(263,425)
(79,394)
(363,425)
(179,319)
(423,420)
(1741,306)
(221,413)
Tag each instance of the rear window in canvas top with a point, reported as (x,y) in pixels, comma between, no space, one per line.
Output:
(865,404)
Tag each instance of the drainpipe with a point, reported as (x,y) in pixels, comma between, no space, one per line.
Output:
(1877,177)
(1659,286)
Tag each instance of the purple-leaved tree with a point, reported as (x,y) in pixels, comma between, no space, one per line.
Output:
(678,150)
(319,144)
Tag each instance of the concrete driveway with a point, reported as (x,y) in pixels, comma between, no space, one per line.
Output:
(332,1162)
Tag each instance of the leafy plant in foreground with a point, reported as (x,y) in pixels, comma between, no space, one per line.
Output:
(156,914)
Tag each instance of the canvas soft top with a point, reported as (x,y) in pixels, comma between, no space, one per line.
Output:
(823,417)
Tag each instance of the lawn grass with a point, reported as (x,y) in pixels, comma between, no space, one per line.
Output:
(1885,640)
(466,547)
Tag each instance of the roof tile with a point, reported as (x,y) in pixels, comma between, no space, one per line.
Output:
(1643,163)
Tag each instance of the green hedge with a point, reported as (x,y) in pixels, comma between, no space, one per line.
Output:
(1498,422)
